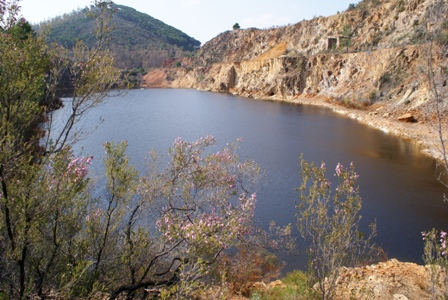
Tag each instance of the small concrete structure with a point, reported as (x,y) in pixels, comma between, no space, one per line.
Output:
(334,42)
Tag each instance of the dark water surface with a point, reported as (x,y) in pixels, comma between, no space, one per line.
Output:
(397,183)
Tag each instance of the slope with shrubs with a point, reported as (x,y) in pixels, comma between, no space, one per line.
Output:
(139,40)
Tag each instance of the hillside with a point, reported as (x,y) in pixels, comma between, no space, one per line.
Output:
(369,62)
(138,40)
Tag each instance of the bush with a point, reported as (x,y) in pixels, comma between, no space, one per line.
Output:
(328,220)
(248,266)
(351,6)
(297,286)
(435,255)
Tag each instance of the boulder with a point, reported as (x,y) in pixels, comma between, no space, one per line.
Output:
(409,118)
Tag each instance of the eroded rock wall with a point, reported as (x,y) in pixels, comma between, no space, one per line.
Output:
(383,59)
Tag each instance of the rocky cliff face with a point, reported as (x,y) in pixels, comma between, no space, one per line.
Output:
(374,54)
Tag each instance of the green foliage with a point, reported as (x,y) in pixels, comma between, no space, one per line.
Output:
(200,208)
(441,36)
(385,78)
(346,38)
(372,96)
(376,38)
(347,31)
(435,256)
(78,245)
(418,36)
(296,286)
(351,6)
(43,211)
(236,26)
(400,6)
(17,85)
(43,196)
(156,28)
(22,30)
(328,220)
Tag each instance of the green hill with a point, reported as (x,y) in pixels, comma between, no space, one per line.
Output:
(138,40)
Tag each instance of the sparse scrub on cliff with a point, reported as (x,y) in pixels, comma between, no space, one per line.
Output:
(364,5)
(351,6)
(418,36)
(385,78)
(400,6)
(442,35)
(346,37)
(351,103)
(372,96)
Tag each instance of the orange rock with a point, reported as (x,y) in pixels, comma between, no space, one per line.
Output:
(406,118)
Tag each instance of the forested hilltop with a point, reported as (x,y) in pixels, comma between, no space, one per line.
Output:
(137,39)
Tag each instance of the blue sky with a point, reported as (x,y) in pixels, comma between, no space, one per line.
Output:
(203,19)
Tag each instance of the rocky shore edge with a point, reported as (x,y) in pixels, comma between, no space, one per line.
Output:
(419,131)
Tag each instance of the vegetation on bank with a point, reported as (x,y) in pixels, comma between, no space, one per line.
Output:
(183,230)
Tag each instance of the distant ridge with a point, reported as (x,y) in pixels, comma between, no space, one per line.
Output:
(138,40)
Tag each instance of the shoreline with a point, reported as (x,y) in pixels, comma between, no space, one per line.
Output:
(379,116)
(420,133)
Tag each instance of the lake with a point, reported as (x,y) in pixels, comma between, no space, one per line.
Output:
(397,182)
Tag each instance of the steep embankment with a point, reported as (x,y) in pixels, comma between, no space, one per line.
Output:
(369,63)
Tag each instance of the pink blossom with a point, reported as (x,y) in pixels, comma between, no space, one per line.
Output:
(78,166)
(339,169)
